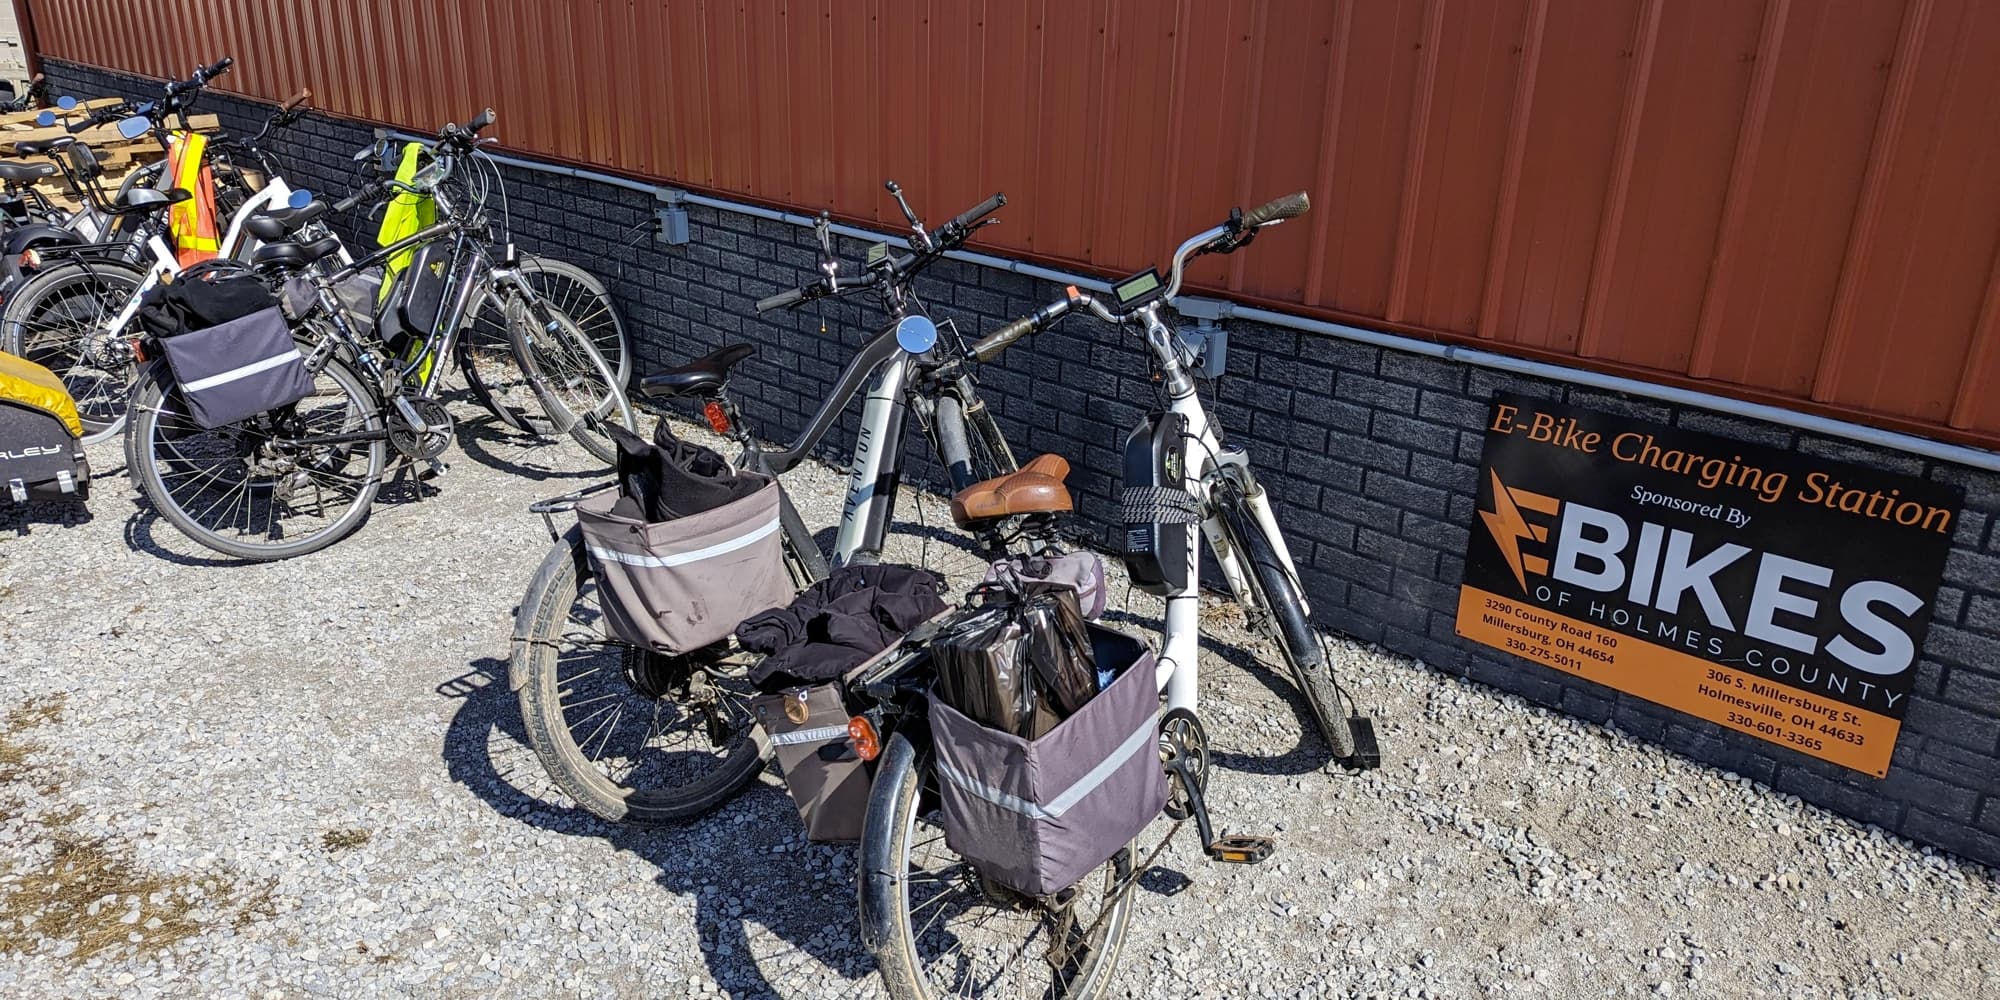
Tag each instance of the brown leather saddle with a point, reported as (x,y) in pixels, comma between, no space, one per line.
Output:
(1036,489)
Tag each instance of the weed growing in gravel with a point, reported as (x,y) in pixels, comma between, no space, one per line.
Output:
(77,895)
(336,841)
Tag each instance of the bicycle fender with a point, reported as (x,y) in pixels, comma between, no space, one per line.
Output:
(40,234)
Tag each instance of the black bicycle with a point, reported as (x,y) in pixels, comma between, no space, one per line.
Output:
(642,738)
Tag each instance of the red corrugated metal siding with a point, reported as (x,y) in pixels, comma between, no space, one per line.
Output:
(1788,200)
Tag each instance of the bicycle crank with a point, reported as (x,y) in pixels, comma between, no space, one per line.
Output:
(1184,753)
(425,437)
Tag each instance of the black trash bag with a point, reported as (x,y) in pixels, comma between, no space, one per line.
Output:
(667,478)
(1021,662)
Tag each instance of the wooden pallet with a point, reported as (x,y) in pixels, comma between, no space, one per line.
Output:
(117,155)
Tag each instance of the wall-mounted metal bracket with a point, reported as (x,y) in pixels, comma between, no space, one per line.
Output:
(672,214)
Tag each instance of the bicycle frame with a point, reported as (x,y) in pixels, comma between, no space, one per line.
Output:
(878,447)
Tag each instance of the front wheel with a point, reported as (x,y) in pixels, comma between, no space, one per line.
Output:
(1282,620)
(630,735)
(577,388)
(938,929)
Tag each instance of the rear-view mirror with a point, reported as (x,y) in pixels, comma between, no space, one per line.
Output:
(45,119)
(66,102)
(300,198)
(135,126)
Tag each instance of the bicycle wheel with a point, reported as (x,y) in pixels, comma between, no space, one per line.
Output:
(245,489)
(938,929)
(631,736)
(1283,622)
(485,351)
(576,388)
(58,320)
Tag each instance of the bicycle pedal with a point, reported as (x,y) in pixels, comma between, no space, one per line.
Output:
(1241,849)
(434,470)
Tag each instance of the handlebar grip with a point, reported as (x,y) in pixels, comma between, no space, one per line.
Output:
(215,69)
(480,121)
(781,300)
(298,100)
(990,346)
(1290,206)
(980,211)
(347,204)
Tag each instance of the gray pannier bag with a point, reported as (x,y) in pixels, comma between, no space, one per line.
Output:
(1038,815)
(676,586)
(1080,571)
(238,369)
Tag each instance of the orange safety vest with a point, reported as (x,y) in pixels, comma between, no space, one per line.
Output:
(192,222)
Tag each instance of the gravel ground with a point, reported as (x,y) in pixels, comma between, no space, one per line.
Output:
(308,778)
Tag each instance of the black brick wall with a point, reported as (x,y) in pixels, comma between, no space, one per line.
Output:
(1371,455)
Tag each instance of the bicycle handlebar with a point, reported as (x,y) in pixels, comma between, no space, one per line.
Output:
(990,346)
(213,70)
(783,300)
(971,216)
(297,101)
(366,193)
(1290,206)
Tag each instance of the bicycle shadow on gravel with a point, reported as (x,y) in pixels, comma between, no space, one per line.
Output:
(525,452)
(144,526)
(775,914)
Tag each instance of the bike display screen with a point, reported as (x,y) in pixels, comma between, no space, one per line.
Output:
(1138,289)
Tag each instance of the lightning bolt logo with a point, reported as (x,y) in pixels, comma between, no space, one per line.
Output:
(1510,527)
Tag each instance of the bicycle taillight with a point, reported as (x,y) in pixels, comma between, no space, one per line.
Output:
(717,417)
(862,737)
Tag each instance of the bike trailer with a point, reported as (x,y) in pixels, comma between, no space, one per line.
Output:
(1038,815)
(41,439)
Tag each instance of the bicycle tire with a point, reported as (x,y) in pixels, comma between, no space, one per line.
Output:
(1285,625)
(571,380)
(548,612)
(483,338)
(896,804)
(157,443)
(55,320)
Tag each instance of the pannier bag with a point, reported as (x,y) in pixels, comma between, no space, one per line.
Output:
(227,343)
(1082,570)
(238,369)
(41,439)
(1022,662)
(1038,815)
(827,781)
(676,586)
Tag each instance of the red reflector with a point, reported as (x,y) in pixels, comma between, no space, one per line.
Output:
(716,418)
(861,736)
(139,351)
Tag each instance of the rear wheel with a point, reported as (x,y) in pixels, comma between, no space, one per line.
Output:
(1282,620)
(59,320)
(939,929)
(261,488)
(629,735)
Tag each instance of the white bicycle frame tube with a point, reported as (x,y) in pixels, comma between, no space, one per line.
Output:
(872,446)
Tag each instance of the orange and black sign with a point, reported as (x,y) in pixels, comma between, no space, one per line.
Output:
(1775,593)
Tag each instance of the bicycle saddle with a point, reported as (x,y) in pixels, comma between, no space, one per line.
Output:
(143,200)
(41,146)
(701,377)
(1036,489)
(275,224)
(25,173)
(294,254)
